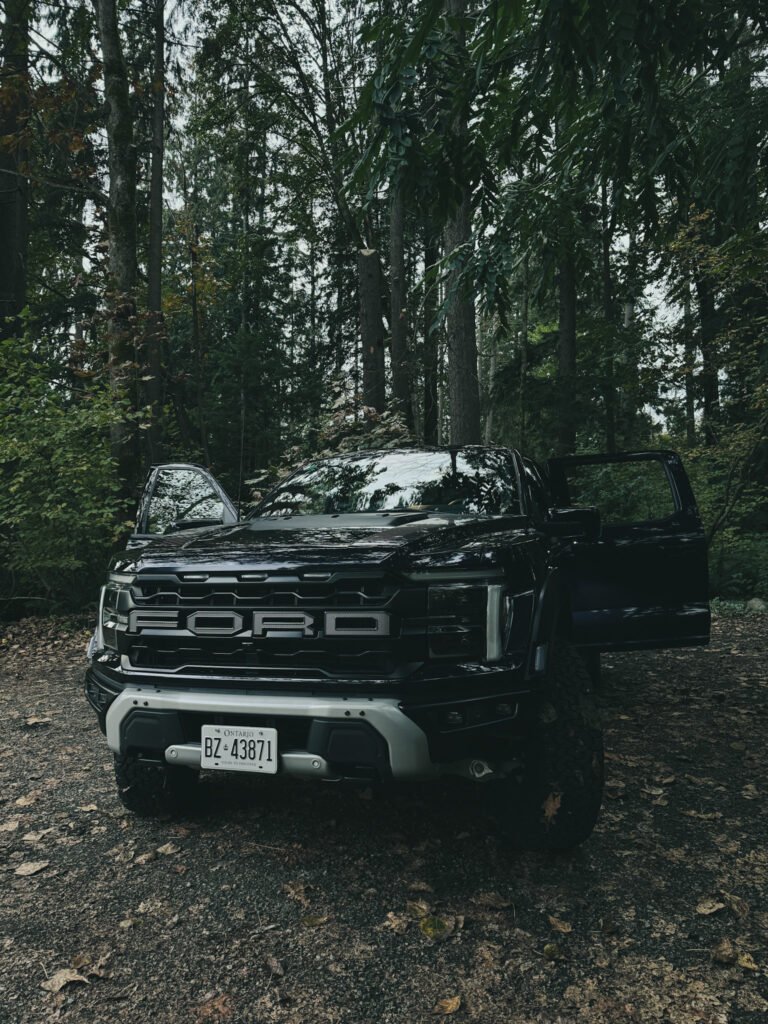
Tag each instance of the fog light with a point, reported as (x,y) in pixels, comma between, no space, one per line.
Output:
(454,718)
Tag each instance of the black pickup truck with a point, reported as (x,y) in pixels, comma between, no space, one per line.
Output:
(413,613)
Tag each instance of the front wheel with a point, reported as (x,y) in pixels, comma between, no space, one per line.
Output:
(149,789)
(554,801)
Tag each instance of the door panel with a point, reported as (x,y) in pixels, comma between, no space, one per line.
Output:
(644,583)
(181,496)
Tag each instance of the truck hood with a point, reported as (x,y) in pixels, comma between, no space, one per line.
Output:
(398,541)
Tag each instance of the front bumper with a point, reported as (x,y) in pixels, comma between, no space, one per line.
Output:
(364,738)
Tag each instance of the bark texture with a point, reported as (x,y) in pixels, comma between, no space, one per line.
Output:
(566,355)
(710,388)
(121,226)
(371,328)
(431,337)
(14,104)
(463,383)
(401,377)
(153,338)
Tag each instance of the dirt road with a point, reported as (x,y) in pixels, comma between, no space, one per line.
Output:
(299,903)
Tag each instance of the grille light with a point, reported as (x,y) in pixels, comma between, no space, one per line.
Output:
(495,622)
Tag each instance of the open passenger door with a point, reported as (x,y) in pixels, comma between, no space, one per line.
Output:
(180,496)
(644,582)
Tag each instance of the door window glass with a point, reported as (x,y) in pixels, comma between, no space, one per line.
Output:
(535,490)
(182,496)
(625,492)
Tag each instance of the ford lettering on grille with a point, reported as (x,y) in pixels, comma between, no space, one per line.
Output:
(215,623)
(289,624)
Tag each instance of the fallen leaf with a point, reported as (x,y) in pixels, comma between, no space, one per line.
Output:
(66,976)
(447,1006)
(437,928)
(397,922)
(35,721)
(275,966)
(11,825)
(417,908)
(746,961)
(296,891)
(419,887)
(551,806)
(724,952)
(560,926)
(652,790)
(492,900)
(168,849)
(31,867)
(88,808)
(739,906)
(215,1008)
(709,906)
(35,837)
(29,799)
(145,858)
(315,920)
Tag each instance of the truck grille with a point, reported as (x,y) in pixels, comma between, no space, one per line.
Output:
(174,630)
(233,592)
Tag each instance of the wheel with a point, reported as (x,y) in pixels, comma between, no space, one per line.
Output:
(554,801)
(592,661)
(148,789)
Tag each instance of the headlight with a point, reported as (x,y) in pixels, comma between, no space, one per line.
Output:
(115,607)
(467,620)
(121,579)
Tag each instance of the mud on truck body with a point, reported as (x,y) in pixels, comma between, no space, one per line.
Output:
(409,614)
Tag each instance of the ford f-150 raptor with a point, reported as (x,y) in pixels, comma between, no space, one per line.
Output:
(412,613)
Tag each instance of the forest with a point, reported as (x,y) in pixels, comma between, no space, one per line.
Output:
(247,233)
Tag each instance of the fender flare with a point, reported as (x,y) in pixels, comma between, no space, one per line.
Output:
(552,609)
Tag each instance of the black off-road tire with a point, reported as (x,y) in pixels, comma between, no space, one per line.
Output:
(593,662)
(149,790)
(553,803)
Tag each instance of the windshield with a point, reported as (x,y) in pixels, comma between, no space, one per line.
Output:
(474,480)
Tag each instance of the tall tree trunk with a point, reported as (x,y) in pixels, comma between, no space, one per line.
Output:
(121,227)
(566,354)
(710,387)
(153,337)
(431,337)
(523,352)
(14,231)
(690,363)
(401,377)
(490,387)
(463,384)
(609,315)
(371,328)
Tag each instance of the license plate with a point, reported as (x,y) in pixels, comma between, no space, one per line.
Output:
(239,748)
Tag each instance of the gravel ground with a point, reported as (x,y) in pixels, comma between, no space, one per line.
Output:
(290,902)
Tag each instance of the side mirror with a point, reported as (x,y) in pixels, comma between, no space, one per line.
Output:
(573,523)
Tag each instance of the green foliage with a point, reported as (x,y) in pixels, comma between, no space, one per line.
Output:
(59,502)
(342,425)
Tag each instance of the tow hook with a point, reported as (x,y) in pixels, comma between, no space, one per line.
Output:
(479,770)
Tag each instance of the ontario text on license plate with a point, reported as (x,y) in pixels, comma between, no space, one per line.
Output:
(239,748)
